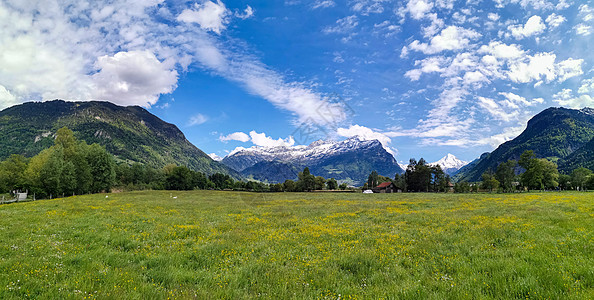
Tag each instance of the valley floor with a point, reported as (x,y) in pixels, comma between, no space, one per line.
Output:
(205,244)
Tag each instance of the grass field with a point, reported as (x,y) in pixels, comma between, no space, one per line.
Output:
(203,244)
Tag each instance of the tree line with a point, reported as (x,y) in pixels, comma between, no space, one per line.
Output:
(531,173)
(72,167)
(419,176)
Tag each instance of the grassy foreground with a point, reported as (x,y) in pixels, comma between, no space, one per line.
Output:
(203,244)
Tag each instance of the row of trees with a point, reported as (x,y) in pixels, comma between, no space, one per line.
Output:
(418,177)
(531,173)
(69,167)
(73,167)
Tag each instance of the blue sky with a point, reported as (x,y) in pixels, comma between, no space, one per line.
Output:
(424,77)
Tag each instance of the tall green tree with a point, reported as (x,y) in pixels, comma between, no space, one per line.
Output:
(50,174)
(373,179)
(439,180)
(540,174)
(101,168)
(489,182)
(332,184)
(579,178)
(289,186)
(505,174)
(306,181)
(319,183)
(12,173)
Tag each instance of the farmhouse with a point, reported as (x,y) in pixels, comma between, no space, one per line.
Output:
(385,187)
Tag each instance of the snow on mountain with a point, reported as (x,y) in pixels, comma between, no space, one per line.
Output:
(215,157)
(302,154)
(450,164)
(349,161)
(403,166)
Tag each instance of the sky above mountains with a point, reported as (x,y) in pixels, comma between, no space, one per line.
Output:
(423,77)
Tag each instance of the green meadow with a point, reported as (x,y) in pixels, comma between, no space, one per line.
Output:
(235,245)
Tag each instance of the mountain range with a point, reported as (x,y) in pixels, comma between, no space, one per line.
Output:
(350,161)
(562,135)
(131,134)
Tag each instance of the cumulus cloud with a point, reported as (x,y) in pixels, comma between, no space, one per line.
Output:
(367,134)
(583,29)
(587,86)
(542,66)
(124,54)
(566,98)
(209,15)
(236,136)
(258,139)
(135,77)
(6,98)
(555,20)
(418,8)
(247,13)
(533,26)
(261,140)
(450,38)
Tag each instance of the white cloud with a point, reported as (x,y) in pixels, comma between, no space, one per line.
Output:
(450,38)
(587,86)
(323,4)
(367,134)
(6,98)
(542,66)
(583,29)
(474,77)
(569,68)
(555,20)
(247,13)
(197,119)
(428,65)
(133,77)
(493,16)
(209,15)
(418,8)
(236,136)
(260,139)
(343,25)
(516,101)
(533,26)
(495,110)
(566,98)
(366,7)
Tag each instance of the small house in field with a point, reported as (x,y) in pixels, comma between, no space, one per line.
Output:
(385,187)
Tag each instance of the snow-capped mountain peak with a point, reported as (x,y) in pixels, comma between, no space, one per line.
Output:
(450,163)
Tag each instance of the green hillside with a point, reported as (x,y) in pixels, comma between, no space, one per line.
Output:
(131,134)
(583,157)
(555,134)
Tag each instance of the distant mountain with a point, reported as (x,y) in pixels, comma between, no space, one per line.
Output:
(450,164)
(555,133)
(350,161)
(131,134)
